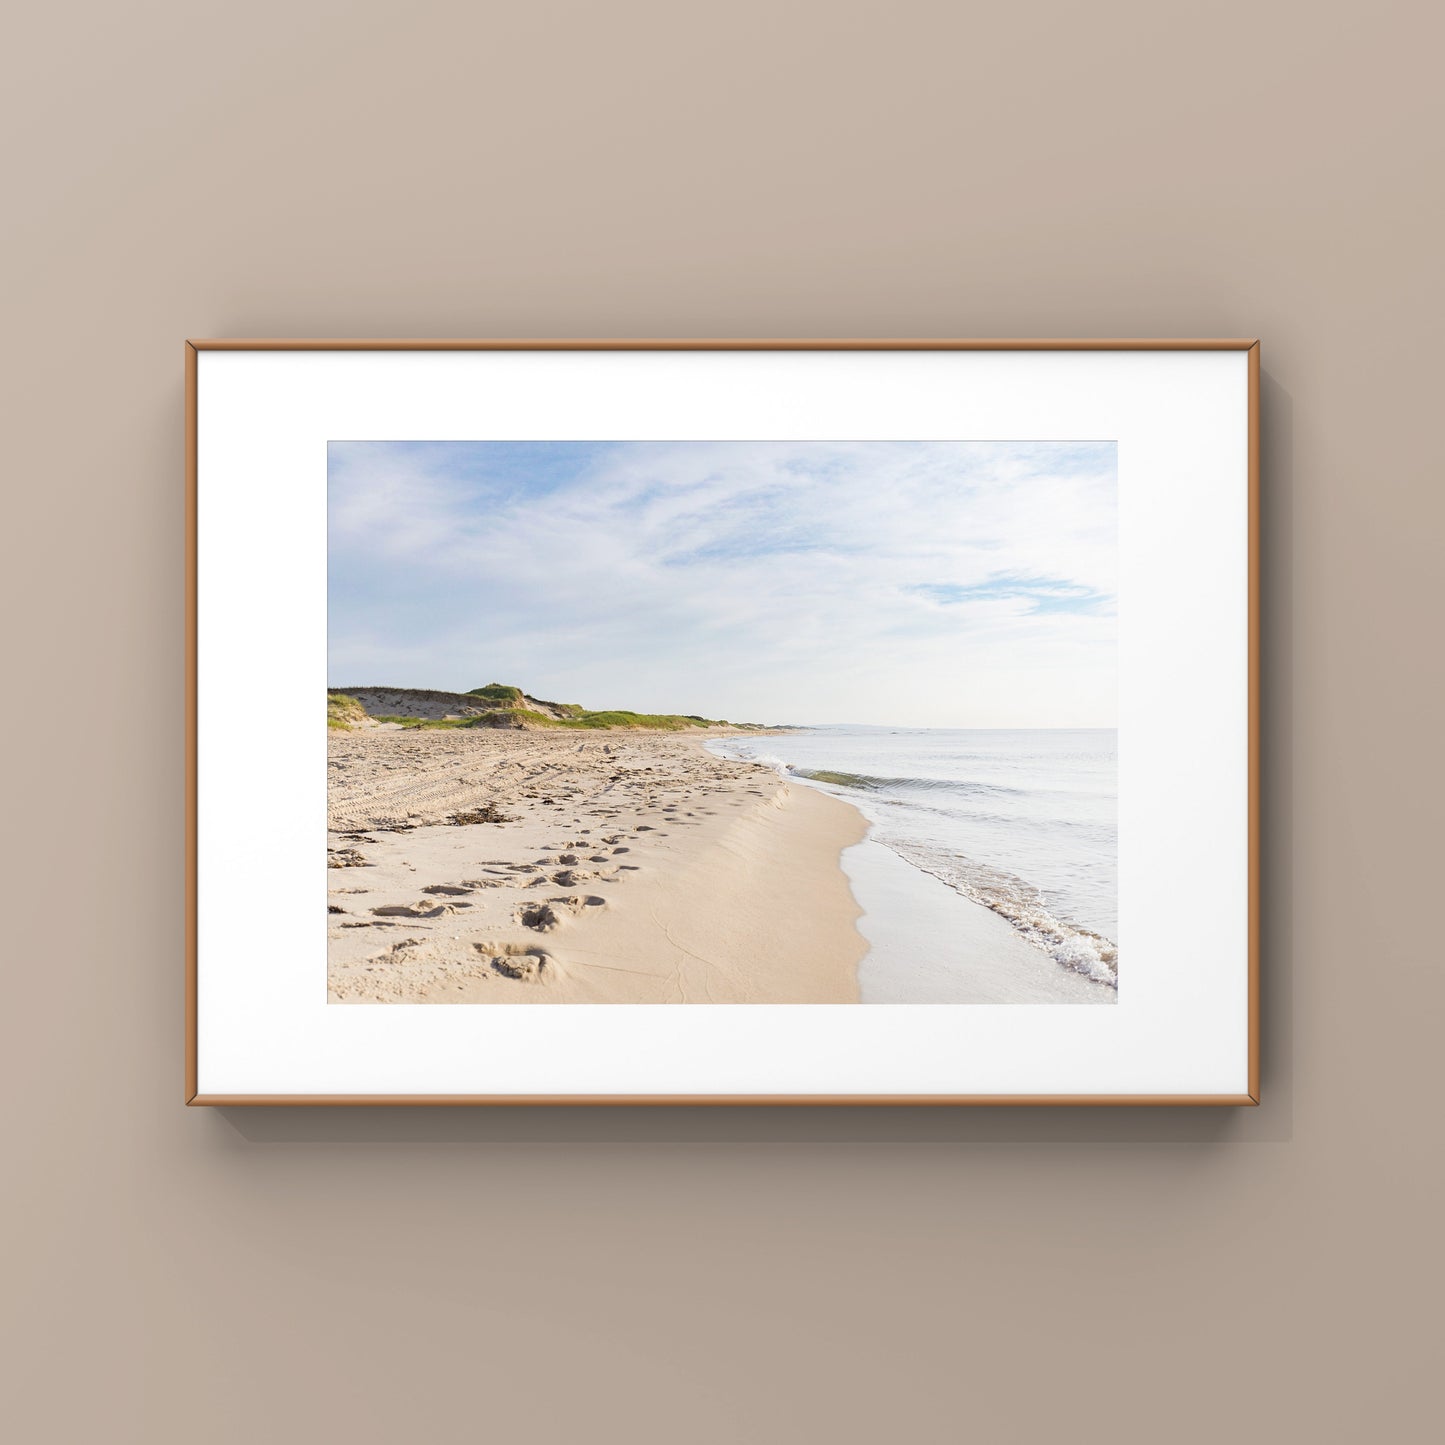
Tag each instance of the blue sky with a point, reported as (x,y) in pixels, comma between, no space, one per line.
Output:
(942,584)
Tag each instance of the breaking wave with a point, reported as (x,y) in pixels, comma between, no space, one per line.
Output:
(871,783)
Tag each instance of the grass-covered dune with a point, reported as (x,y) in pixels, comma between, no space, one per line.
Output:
(342,711)
(497,705)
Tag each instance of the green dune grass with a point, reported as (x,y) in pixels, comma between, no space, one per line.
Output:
(343,712)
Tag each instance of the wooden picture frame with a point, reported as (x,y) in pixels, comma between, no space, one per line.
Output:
(198,560)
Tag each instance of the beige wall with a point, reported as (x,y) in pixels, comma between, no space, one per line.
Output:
(756,169)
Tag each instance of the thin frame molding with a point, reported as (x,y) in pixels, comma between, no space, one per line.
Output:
(1250,345)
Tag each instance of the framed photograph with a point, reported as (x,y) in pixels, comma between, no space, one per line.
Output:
(723,722)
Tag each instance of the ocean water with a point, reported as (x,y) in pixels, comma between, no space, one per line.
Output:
(1021,821)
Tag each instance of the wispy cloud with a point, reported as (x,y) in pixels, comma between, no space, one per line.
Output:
(1035,594)
(893,582)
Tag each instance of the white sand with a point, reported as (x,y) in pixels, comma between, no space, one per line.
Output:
(632,868)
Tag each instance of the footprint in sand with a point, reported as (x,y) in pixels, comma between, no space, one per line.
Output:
(547,916)
(540,917)
(522,961)
(570,877)
(423,909)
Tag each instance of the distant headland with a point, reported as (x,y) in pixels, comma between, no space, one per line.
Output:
(497,705)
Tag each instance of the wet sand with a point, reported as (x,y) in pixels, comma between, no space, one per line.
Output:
(480,866)
(927,944)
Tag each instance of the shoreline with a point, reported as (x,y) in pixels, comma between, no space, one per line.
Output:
(634,867)
(930,942)
(627,867)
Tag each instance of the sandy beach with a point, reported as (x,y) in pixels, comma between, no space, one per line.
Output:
(495,866)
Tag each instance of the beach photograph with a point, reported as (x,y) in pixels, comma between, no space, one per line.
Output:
(722,722)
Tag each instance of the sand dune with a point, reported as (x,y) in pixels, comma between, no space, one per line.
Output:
(433,704)
(535,867)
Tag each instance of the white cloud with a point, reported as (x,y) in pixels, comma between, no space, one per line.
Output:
(943,584)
